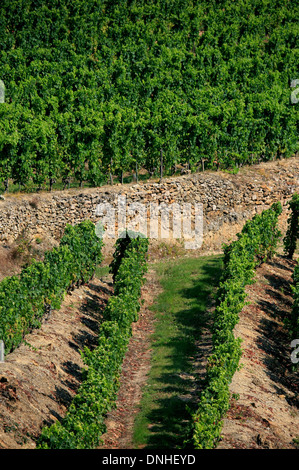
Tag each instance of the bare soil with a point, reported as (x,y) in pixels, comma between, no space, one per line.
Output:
(136,366)
(39,379)
(266,414)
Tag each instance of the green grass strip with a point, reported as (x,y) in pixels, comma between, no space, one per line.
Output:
(181,313)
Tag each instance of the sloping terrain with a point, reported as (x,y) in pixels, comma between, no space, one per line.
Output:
(266,412)
(39,378)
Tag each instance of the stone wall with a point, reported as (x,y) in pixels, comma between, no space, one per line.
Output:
(228,200)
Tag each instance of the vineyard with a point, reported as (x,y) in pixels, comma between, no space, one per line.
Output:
(96,90)
(28,299)
(134,344)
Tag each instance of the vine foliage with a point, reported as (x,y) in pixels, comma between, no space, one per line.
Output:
(26,299)
(84,422)
(255,244)
(292,234)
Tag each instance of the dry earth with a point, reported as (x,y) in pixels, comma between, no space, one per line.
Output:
(266,415)
(39,378)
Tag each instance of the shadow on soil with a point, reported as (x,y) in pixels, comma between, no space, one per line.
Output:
(91,317)
(275,339)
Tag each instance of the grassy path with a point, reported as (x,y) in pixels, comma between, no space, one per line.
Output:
(181,314)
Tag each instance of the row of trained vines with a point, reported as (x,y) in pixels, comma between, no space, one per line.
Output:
(28,298)
(256,244)
(292,235)
(99,87)
(290,244)
(84,423)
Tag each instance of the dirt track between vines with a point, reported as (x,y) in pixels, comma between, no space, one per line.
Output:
(266,414)
(136,365)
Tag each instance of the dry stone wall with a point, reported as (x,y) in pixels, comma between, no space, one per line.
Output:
(228,200)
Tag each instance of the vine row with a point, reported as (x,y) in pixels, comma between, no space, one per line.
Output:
(255,244)
(27,298)
(96,89)
(84,422)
